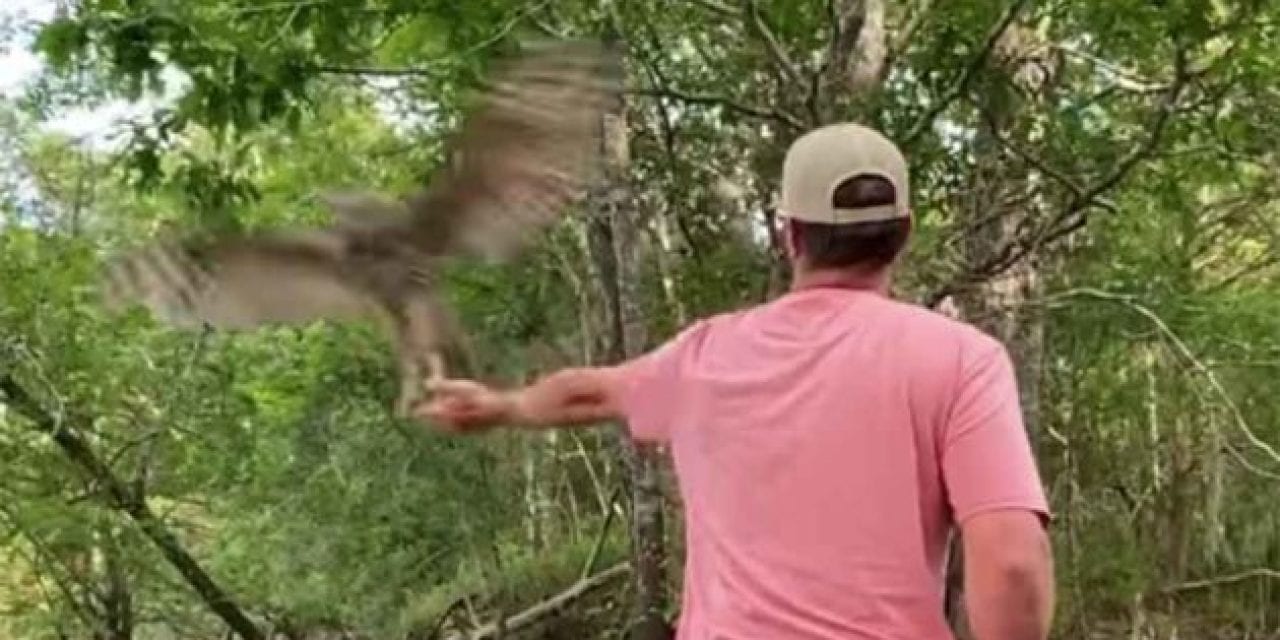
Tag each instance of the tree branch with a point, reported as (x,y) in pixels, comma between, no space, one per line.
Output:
(1222,580)
(780,117)
(908,31)
(966,76)
(1157,128)
(122,498)
(1075,215)
(547,607)
(1246,464)
(379,71)
(771,43)
(1183,351)
(715,6)
(596,548)
(1123,78)
(1056,174)
(269,7)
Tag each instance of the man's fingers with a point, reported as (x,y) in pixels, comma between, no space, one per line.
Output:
(448,408)
(452,414)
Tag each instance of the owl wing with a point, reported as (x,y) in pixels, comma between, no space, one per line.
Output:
(524,154)
(238,283)
(527,151)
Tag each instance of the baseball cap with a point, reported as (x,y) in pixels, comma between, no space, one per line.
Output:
(820,160)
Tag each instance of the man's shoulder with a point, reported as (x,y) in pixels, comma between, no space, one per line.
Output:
(944,319)
(719,319)
(936,328)
(932,328)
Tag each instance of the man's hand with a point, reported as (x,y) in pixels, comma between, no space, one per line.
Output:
(466,405)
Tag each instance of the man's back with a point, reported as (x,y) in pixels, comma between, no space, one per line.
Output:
(824,444)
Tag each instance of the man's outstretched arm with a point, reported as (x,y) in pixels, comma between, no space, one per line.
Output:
(640,391)
(569,397)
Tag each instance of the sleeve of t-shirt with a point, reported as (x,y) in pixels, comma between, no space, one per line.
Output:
(987,462)
(647,386)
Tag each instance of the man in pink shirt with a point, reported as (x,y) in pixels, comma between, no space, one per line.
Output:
(827,443)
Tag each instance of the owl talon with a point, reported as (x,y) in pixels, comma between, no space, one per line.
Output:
(404,407)
(435,367)
(411,384)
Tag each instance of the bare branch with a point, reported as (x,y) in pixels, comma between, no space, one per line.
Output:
(1157,128)
(719,7)
(1182,350)
(723,102)
(268,7)
(1222,580)
(1076,214)
(1254,266)
(547,607)
(966,76)
(1041,165)
(1248,466)
(659,79)
(546,28)
(596,548)
(789,68)
(501,32)
(1123,78)
(908,31)
(379,71)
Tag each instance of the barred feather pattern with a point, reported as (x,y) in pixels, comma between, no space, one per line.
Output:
(520,161)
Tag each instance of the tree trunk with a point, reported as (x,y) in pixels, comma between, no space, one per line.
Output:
(614,244)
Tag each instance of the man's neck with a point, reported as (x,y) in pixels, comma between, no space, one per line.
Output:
(840,279)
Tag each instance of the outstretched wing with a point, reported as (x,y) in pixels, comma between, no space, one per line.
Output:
(525,154)
(238,282)
(527,151)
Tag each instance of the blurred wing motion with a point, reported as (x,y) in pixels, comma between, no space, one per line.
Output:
(532,147)
(238,283)
(529,149)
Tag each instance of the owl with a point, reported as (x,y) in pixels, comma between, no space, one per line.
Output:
(526,153)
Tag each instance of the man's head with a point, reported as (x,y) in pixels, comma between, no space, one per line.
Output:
(845,201)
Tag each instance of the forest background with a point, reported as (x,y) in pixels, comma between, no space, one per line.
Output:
(1094,183)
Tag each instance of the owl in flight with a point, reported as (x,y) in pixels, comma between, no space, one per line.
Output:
(529,150)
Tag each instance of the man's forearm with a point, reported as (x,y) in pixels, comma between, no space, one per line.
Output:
(569,397)
(1011,601)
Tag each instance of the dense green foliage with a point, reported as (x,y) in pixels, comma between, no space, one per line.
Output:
(1112,159)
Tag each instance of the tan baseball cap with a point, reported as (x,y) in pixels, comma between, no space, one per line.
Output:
(820,160)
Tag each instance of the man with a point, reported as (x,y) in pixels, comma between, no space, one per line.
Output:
(826,443)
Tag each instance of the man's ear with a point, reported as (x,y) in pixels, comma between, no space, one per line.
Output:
(787,232)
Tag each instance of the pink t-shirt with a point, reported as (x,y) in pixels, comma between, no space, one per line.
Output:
(825,443)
